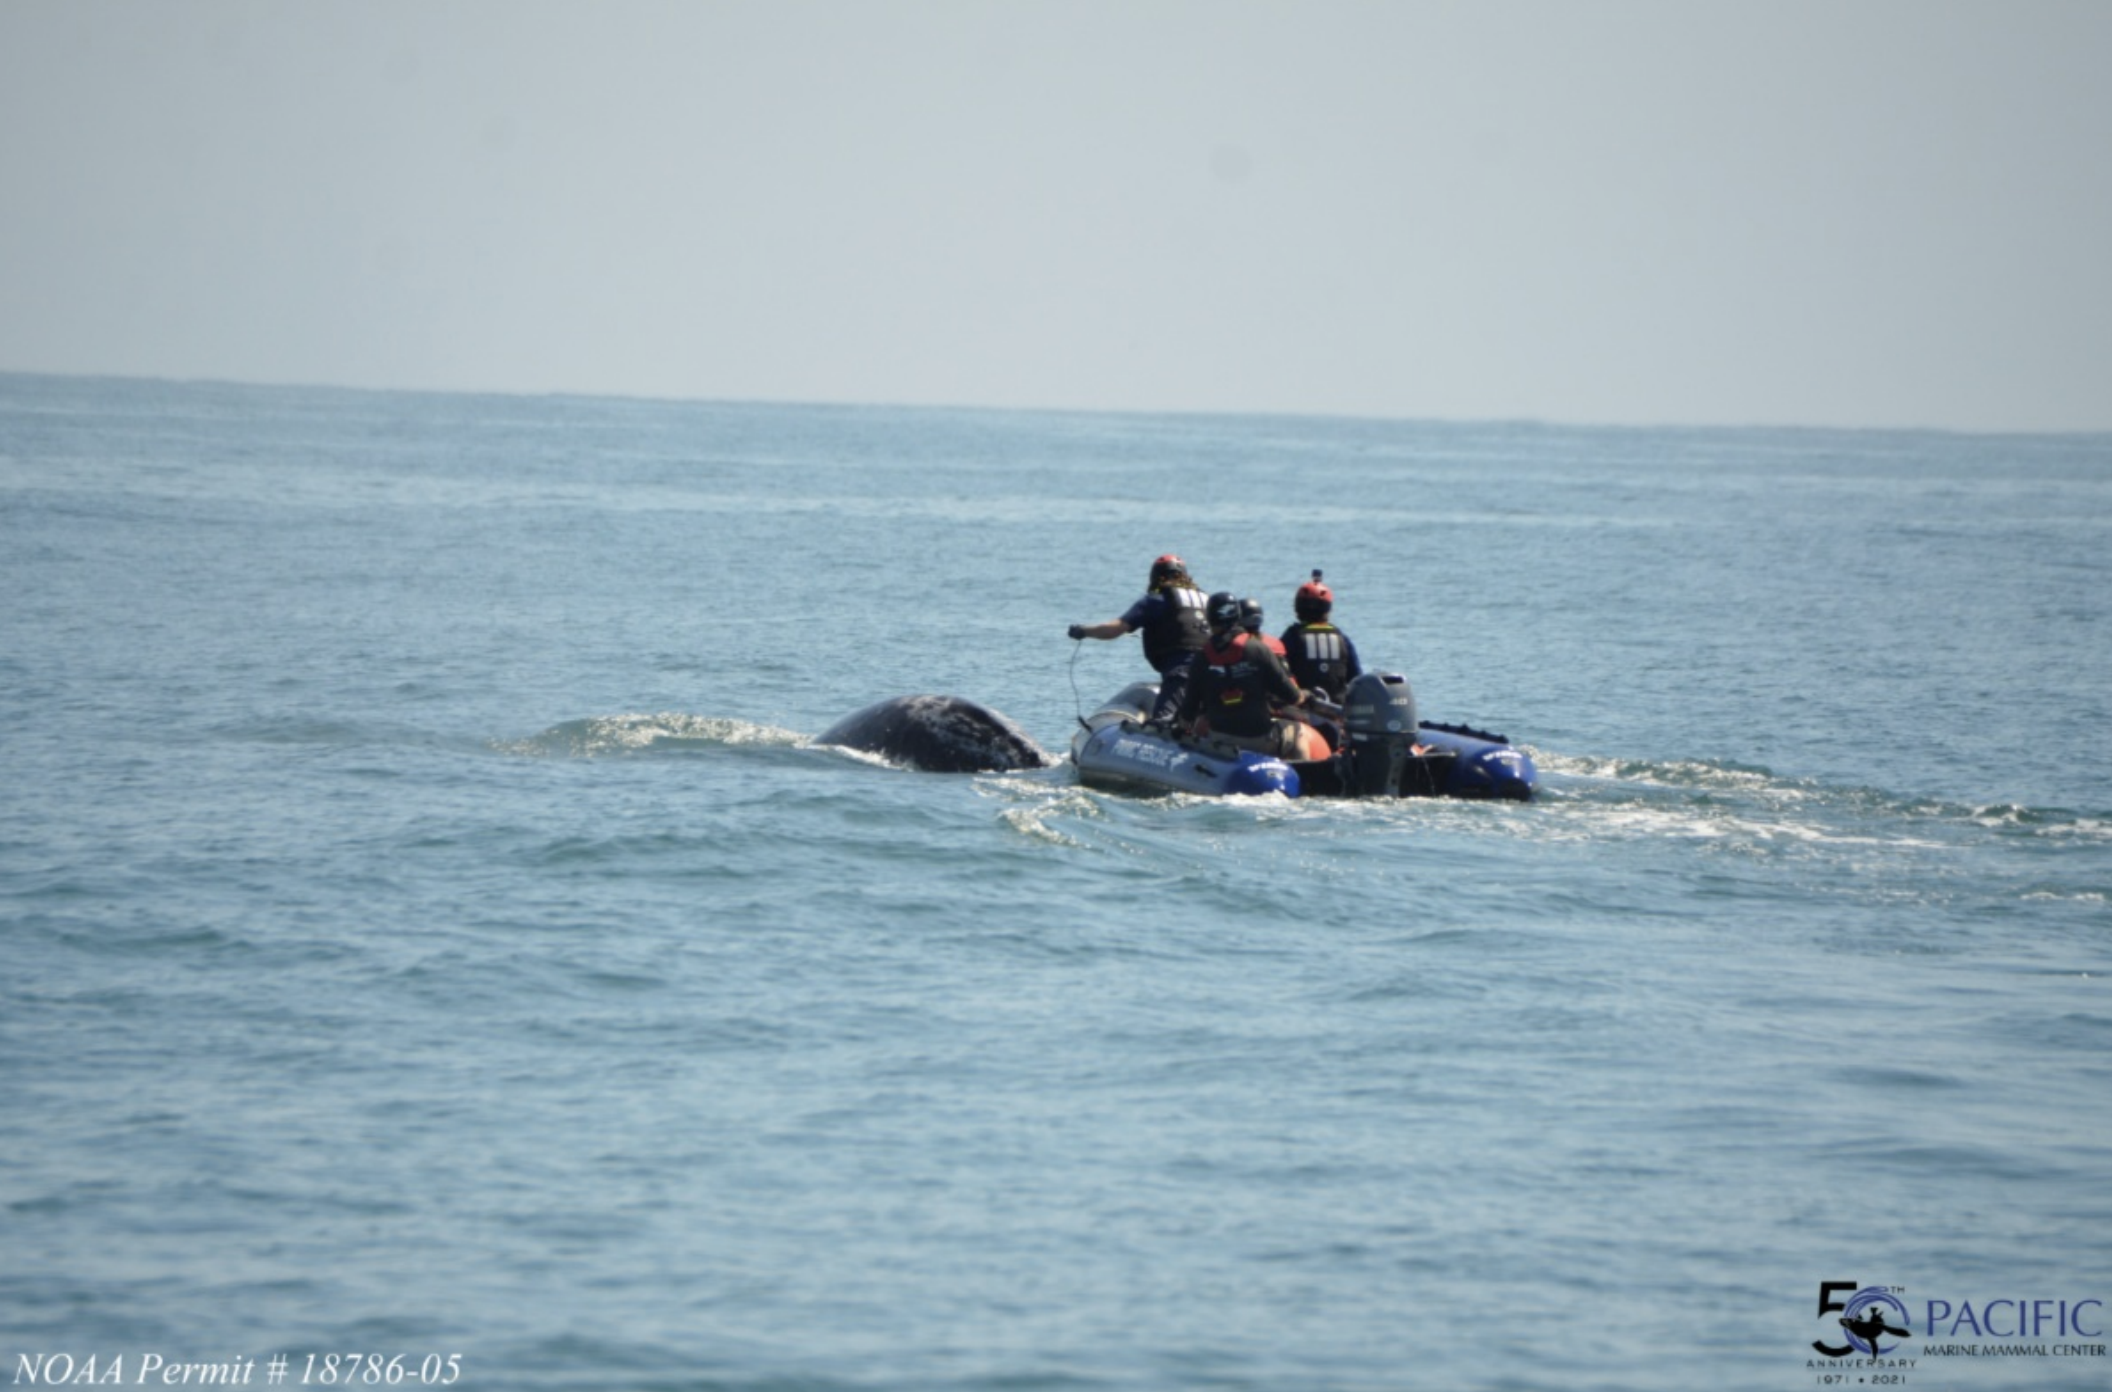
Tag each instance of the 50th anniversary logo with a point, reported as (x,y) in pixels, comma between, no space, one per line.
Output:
(1878,1335)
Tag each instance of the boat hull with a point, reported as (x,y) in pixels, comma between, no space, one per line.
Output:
(1115,751)
(1125,758)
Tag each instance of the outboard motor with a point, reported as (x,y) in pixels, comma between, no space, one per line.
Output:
(1378,712)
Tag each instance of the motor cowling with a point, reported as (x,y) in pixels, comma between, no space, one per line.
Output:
(1378,714)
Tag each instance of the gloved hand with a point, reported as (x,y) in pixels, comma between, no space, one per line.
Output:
(1077,632)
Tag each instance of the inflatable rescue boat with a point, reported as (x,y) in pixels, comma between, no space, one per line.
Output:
(1383,751)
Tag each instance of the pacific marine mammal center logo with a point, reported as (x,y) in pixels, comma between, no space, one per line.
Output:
(1875,1323)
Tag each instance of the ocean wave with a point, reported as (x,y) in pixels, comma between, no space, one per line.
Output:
(1036,804)
(1716,799)
(615,735)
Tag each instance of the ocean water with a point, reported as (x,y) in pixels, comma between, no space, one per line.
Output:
(427,929)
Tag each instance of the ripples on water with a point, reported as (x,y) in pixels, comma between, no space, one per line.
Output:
(366,988)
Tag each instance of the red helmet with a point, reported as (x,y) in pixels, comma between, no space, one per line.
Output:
(1168,567)
(1313,600)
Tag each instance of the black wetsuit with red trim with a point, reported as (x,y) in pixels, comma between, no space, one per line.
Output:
(1239,683)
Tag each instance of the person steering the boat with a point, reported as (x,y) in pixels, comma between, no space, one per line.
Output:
(1170,618)
(1240,685)
(1318,654)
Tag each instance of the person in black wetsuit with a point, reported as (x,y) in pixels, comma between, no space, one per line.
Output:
(1239,685)
(1250,618)
(1318,654)
(1170,618)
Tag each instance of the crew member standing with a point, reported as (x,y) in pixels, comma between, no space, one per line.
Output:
(1170,617)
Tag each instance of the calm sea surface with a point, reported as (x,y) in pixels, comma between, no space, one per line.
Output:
(427,930)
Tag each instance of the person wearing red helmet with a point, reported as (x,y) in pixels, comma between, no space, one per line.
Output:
(1318,654)
(1170,618)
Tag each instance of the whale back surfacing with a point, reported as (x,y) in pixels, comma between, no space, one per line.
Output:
(939,734)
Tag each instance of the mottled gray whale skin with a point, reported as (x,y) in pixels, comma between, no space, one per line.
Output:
(939,734)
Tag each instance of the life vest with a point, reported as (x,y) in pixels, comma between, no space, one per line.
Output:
(1319,656)
(1239,686)
(1181,629)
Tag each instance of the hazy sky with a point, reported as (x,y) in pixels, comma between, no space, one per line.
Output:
(1854,212)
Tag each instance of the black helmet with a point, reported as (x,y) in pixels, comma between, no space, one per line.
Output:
(1168,567)
(1250,615)
(1222,611)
